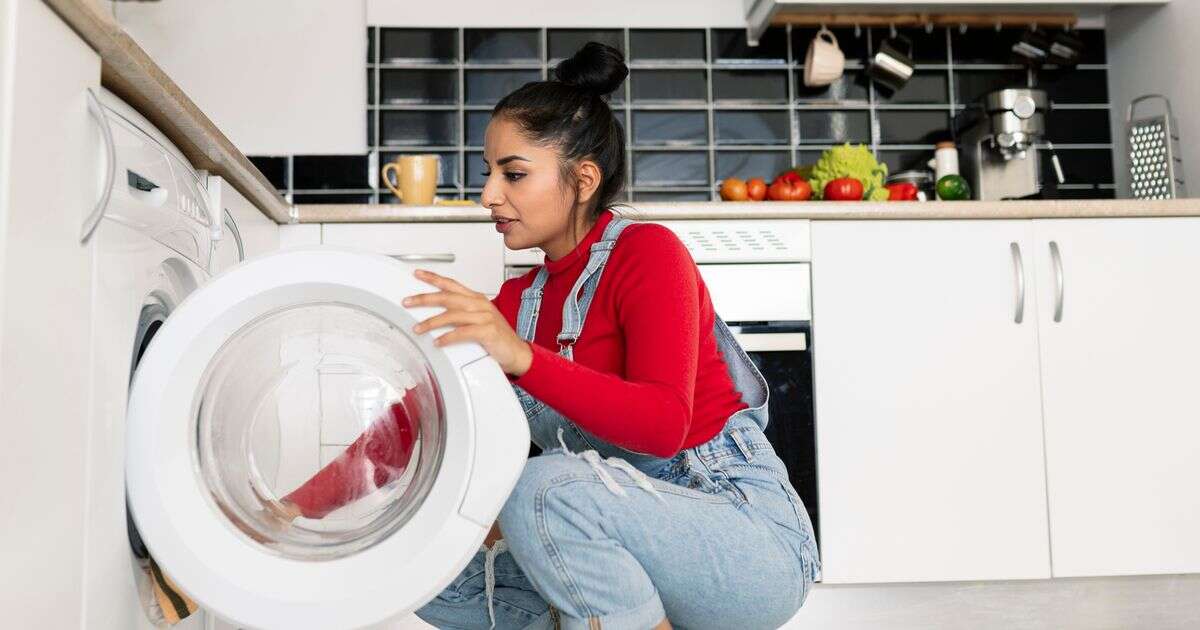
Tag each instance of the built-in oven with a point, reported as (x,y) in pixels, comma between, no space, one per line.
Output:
(758,275)
(782,352)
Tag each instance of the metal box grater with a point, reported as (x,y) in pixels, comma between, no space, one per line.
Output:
(1155,161)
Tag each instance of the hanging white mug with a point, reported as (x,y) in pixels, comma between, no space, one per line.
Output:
(825,60)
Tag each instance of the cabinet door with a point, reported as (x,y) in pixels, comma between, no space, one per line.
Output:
(278,77)
(929,432)
(51,159)
(472,253)
(1120,374)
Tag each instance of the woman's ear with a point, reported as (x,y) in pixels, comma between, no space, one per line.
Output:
(587,180)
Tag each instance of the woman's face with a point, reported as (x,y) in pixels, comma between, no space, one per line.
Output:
(528,199)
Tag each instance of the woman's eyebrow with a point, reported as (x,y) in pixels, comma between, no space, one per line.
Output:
(509,158)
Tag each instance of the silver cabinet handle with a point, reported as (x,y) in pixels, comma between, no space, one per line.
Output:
(1019,270)
(448,258)
(1056,259)
(110,176)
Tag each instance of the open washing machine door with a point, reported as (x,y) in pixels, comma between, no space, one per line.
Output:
(297,376)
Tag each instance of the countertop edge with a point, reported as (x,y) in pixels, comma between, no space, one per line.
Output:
(131,74)
(1046,209)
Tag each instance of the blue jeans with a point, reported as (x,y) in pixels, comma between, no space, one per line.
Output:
(713,538)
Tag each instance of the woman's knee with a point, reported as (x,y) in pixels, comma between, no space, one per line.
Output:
(519,516)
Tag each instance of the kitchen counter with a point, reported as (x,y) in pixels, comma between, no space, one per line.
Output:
(395,213)
(131,74)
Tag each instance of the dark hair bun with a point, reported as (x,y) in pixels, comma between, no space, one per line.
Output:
(596,68)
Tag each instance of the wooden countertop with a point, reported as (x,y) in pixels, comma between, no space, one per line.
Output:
(1050,209)
(131,74)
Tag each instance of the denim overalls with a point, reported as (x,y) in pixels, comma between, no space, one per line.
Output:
(714,537)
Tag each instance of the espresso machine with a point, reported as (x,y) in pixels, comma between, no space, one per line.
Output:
(997,139)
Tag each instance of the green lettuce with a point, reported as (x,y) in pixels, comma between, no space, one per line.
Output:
(850,161)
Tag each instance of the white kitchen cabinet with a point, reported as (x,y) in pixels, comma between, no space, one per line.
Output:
(51,162)
(928,407)
(1122,413)
(472,253)
(278,77)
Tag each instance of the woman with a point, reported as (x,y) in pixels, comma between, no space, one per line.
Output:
(703,528)
(657,500)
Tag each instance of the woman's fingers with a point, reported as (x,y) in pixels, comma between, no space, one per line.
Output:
(473,332)
(451,318)
(442,282)
(448,300)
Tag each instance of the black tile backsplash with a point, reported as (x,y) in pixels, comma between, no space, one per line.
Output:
(275,169)
(418,86)
(482,45)
(336,172)
(818,126)
(563,42)
(1074,85)
(487,87)
(1080,166)
(701,104)
(752,127)
(418,45)
(418,128)
(657,86)
(851,89)
(476,122)
(670,168)
(668,127)
(665,45)
(1078,126)
(764,164)
(913,126)
(926,87)
(729,46)
(759,86)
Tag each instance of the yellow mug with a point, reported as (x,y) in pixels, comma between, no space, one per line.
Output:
(416,178)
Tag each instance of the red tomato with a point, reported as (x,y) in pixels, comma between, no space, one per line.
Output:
(902,191)
(756,189)
(789,189)
(789,176)
(733,189)
(844,189)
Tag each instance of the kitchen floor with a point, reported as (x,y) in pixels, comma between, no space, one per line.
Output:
(1158,602)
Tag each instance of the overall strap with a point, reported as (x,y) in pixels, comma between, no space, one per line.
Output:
(531,303)
(575,307)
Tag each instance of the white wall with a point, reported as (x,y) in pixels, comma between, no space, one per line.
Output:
(275,75)
(1153,50)
(558,13)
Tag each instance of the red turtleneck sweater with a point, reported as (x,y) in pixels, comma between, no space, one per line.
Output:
(647,374)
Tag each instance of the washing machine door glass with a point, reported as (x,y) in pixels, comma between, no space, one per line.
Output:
(325,410)
(297,458)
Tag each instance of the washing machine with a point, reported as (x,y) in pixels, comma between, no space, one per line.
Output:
(222,387)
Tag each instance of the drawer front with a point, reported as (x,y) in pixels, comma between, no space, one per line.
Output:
(472,253)
(759,292)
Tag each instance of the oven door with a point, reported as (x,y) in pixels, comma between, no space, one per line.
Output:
(782,352)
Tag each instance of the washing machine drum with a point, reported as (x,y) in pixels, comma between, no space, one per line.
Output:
(294,383)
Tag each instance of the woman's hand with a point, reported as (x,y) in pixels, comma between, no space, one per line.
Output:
(474,318)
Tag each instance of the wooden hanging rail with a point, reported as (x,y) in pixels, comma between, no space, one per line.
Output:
(976,20)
